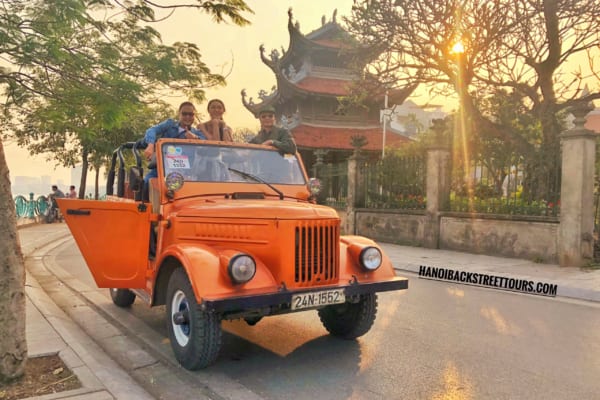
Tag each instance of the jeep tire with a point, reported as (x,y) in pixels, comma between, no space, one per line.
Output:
(350,320)
(195,335)
(122,297)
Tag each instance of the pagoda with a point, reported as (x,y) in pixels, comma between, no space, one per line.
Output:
(313,75)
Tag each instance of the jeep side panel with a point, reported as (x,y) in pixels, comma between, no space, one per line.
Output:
(113,237)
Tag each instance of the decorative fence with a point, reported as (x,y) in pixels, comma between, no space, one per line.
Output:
(513,187)
(334,181)
(395,183)
(30,208)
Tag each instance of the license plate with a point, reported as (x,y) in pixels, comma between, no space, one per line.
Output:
(318,299)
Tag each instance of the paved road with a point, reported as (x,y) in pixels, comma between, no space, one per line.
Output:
(435,341)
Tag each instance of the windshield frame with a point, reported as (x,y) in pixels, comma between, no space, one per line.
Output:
(192,158)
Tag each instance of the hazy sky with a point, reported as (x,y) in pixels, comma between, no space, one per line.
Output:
(221,45)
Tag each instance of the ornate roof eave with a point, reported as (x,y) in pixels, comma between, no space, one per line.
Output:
(271,100)
(297,37)
(399,95)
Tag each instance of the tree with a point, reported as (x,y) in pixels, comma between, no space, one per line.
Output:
(73,76)
(525,47)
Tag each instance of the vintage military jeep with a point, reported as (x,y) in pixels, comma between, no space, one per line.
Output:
(230,232)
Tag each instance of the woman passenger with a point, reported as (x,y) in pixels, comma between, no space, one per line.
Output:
(216,128)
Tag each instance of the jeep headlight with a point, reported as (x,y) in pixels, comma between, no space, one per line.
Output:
(174,181)
(241,268)
(370,258)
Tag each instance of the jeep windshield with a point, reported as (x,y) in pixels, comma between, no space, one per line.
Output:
(196,162)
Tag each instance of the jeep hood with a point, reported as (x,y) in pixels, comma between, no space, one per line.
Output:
(260,209)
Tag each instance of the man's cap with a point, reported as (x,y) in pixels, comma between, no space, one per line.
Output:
(266,109)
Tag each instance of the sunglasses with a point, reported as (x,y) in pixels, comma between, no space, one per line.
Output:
(187,114)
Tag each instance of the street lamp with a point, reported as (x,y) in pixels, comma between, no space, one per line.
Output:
(384,115)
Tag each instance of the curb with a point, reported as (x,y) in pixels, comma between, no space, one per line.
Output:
(100,377)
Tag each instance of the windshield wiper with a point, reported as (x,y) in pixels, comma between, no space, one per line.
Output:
(257,179)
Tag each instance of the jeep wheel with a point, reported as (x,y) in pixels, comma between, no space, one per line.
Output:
(122,297)
(195,335)
(350,320)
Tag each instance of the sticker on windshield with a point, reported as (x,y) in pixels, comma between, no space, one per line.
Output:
(177,162)
(174,150)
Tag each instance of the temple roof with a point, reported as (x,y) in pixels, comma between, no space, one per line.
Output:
(339,138)
(336,87)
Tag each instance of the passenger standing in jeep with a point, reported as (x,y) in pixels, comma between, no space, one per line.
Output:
(216,128)
(176,129)
(272,135)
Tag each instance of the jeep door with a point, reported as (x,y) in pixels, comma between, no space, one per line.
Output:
(113,237)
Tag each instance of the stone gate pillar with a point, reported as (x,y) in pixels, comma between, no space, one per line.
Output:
(356,192)
(437,192)
(575,234)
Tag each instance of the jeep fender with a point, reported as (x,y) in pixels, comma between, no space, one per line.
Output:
(350,268)
(206,268)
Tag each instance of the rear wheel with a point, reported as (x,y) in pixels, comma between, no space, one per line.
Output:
(350,320)
(195,335)
(122,297)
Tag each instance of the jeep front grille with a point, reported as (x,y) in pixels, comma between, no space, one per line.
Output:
(316,252)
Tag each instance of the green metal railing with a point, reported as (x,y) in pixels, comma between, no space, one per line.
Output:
(30,208)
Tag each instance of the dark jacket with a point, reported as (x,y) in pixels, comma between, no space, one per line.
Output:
(282,139)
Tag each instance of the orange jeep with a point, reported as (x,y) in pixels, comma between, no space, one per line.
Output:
(230,231)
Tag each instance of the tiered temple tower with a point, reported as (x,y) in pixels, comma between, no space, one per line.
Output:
(313,75)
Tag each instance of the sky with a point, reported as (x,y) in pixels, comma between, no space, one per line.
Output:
(222,46)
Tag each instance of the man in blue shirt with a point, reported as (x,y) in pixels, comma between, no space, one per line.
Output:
(180,129)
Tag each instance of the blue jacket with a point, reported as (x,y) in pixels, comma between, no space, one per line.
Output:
(168,129)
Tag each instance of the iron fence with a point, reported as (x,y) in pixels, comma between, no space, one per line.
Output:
(334,184)
(395,183)
(514,187)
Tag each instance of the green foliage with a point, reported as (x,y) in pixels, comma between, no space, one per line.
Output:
(501,205)
(514,80)
(87,75)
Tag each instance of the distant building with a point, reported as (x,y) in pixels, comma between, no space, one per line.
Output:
(410,119)
(312,75)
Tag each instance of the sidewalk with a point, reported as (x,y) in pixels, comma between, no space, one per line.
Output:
(51,331)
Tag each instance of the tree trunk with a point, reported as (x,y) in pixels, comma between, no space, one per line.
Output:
(96,181)
(13,344)
(84,168)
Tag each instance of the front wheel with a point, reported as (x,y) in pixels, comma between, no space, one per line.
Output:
(350,320)
(195,335)
(122,297)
